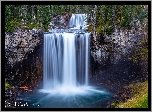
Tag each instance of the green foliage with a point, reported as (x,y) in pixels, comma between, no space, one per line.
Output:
(27,16)
(11,25)
(139,97)
(30,26)
(143,14)
(100,29)
(108,17)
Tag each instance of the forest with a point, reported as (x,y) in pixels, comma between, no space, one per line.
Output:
(101,18)
(117,55)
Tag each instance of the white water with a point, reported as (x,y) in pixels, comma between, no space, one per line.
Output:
(78,20)
(66,70)
(69,60)
(66,59)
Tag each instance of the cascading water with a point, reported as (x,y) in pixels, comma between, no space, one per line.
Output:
(66,56)
(66,70)
(78,20)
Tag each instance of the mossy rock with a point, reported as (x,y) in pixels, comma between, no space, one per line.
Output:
(7,85)
(139,97)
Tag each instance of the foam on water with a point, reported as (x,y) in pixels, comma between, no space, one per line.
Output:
(72,90)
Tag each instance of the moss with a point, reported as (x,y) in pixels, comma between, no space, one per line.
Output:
(7,85)
(140,101)
(143,102)
(115,104)
(139,97)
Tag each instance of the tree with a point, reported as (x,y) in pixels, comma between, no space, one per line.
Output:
(102,19)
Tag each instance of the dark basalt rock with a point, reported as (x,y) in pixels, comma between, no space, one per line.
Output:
(60,21)
(20,43)
(118,44)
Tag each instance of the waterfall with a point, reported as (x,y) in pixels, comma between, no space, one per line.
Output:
(66,57)
(69,60)
(78,20)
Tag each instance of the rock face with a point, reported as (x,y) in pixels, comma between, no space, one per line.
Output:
(116,45)
(24,75)
(20,43)
(110,63)
(24,57)
(60,21)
